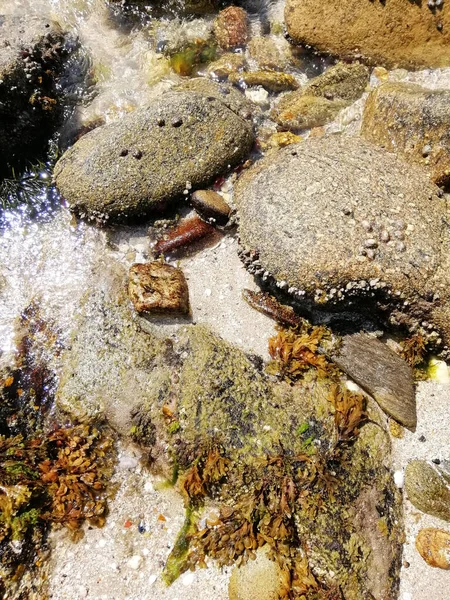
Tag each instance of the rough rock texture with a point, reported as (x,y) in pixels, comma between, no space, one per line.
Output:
(427,487)
(158,288)
(382,373)
(270,80)
(147,159)
(413,121)
(230,62)
(226,93)
(32,54)
(394,33)
(231,27)
(323,97)
(434,547)
(337,219)
(267,54)
(259,579)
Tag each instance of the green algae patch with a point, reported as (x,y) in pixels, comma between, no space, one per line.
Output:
(175,563)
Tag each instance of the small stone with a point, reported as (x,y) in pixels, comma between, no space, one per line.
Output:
(124,152)
(135,562)
(426,150)
(231,28)
(270,80)
(211,206)
(422,439)
(230,62)
(384,236)
(399,479)
(137,154)
(265,52)
(433,546)
(427,488)
(400,246)
(158,288)
(259,96)
(371,243)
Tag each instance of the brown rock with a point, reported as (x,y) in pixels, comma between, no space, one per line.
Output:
(231,28)
(433,546)
(396,33)
(265,52)
(270,80)
(304,112)
(211,206)
(230,62)
(158,288)
(382,374)
(413,121)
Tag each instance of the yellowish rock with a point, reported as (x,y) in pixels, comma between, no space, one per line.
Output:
(270,80)
(433,546)
(256,580)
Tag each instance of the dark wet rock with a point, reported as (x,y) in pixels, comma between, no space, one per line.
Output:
(433,546)
(393,34)
(323,97)
(272,81)
(413,121)
(158,288)
(231,28)
(211,206)
(152,157)
(32,56)
(428,488)
(267,54)
(312,217)
(226,93)
(381,373)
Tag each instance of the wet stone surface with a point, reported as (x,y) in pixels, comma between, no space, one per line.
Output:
(158,288)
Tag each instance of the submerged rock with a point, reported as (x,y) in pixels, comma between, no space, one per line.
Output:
(428,488)
(270,80)
(158,288)
(433,546)
(393,34)
(267,54)
(150,157)
(381,373)
(323,97)
(342,224)
(32,56)
(230,62)
(413,121)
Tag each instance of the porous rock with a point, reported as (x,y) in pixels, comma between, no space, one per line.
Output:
(411,120)
(32,55)
(270,80)
(266,53)
(380,372)
(257,580)
(392,34)
(231,27)
(148,158)
(159,288)
(340,223)
(428,488)
(320,100)
(433,546)
(226,93)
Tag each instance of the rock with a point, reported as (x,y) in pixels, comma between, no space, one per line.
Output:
(319,231)
(320,100)
(145,160)
(32,58)
(198,52)
(281,139)
(231,28)
(270,80)
(259,579)
(211,206)
(433,546)
(176,8)
(230,62)
(266,53)
(381,373)
(413,121)
(427,487)
(158,288)
(226,93)
(392,34)
(259,96)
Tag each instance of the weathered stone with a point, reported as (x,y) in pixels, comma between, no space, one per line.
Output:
(270,80)
(159,288)
(259,579)
(427,487)
(211,206)
(32,55)
(230,62)
(145,160)
(413,121)
(433,546)
(393,34)
(267,55)
(231,28)
(310,211)
(381,373)
(226,93)
(320,100)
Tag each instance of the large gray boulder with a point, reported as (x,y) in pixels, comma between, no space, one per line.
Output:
(32,55)
(146,160)
(341,223)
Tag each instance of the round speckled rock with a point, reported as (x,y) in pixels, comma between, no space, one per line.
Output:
(257,580)
(147,159)
(337,218)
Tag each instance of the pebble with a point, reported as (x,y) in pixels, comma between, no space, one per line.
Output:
(158,288)
(211,206)
(399,479)
(433,546)
(135,562)
(231,28)
(259,96)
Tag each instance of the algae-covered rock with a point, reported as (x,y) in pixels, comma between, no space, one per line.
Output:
(393,34)
(145,160)
(368,235)
(428,488)
(320,100)
(413,121)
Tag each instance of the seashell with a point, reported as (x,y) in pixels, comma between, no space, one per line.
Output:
(381,373)
(427,487)
(433,546)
